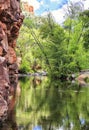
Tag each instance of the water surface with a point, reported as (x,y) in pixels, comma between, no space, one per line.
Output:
(52,105)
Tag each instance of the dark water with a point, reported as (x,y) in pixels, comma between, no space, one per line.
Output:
(51,105)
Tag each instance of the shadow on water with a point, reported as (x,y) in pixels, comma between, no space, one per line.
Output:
(49,105)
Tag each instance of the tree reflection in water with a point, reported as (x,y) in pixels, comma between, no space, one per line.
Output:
(52,105)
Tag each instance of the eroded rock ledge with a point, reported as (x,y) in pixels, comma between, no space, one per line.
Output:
(11,20)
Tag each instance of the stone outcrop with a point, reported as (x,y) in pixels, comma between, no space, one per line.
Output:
(11,19)
(28,8)
(82,79)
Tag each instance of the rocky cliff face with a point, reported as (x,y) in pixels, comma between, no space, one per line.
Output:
(11,20)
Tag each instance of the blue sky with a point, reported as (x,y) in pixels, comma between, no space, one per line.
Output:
(56,7)
(50,5)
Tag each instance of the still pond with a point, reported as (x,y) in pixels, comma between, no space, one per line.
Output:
(50,105)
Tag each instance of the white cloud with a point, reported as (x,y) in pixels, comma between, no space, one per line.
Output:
(86,4)
(54,0)
(60,13)
(57,14)
(41,3)
(74,0)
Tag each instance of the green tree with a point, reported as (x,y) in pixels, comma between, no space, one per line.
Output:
(85,19)
(54,37)
(60,50)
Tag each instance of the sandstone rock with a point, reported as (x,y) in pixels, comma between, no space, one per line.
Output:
(1,51)
(11,19)
(3,109)
(11,56)
(12,43)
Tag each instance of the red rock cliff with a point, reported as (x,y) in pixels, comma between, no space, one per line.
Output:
(11,20)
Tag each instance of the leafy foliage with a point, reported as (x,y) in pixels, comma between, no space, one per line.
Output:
(59,50)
